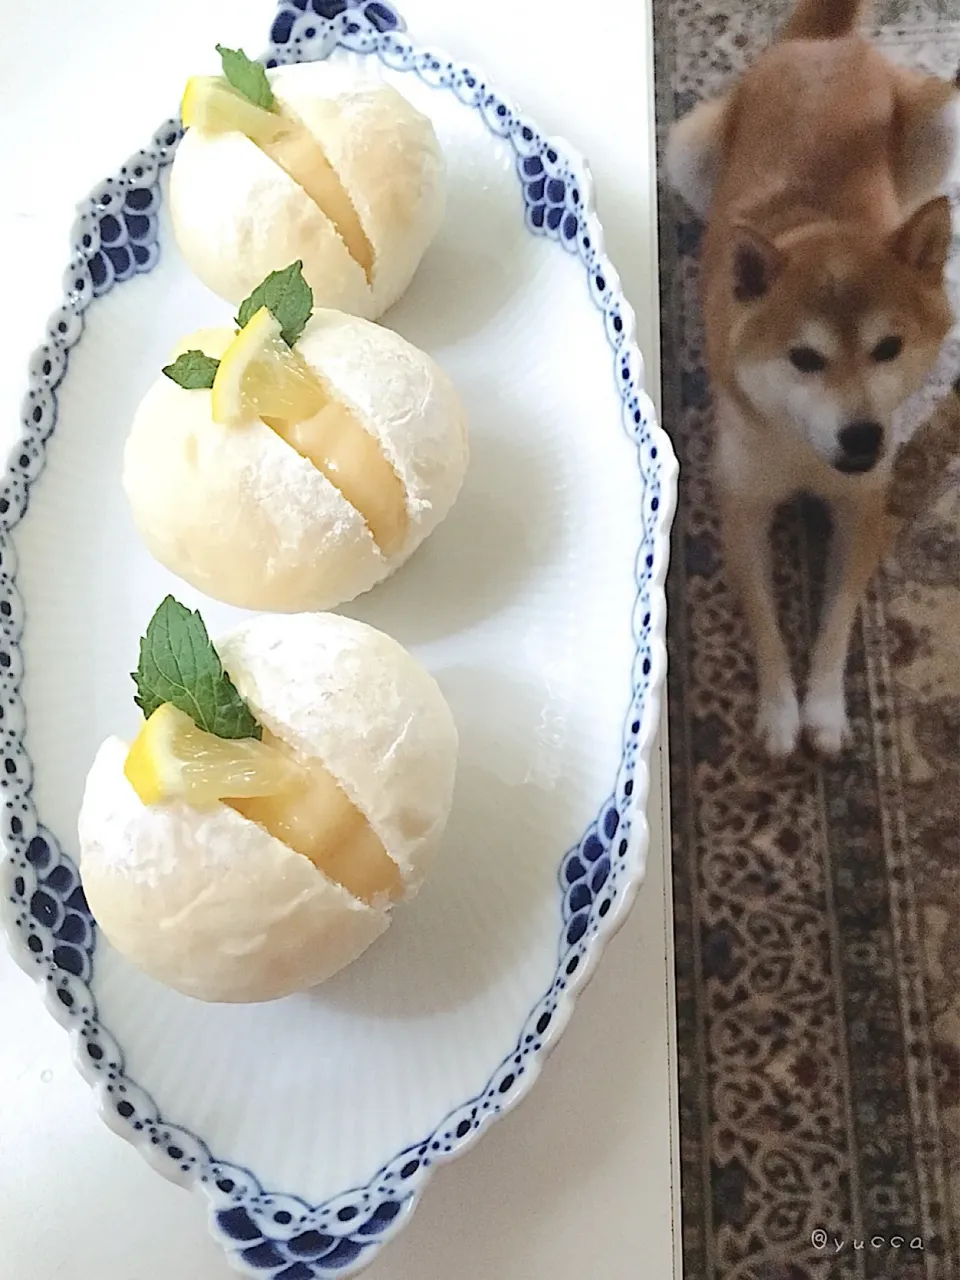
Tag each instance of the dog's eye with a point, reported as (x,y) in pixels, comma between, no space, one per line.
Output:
(887,349)
(807,360)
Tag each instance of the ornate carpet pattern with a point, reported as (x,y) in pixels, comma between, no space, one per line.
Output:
(816,905)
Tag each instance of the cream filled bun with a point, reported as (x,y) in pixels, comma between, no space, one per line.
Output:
(240,210)
(241,515)
(207,901)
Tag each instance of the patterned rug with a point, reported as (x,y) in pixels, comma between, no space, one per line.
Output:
(817,906)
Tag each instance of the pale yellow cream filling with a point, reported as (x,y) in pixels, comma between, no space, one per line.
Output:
(353,461)
(316,819)
(302,158)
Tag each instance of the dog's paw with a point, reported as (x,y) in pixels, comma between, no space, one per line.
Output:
(825,723)
(778,724)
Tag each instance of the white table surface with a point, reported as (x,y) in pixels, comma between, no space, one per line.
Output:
(583,1180)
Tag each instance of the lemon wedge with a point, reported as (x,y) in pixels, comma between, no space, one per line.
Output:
(211,105)
(260,376)
(172,759)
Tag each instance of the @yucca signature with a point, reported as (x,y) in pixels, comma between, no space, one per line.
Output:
(822,1241)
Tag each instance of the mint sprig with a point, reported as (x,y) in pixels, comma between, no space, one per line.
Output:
(247,77)
(179,664)
(288,298)
(192,370)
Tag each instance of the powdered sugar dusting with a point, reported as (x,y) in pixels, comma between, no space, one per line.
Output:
(119,833)
(373,717)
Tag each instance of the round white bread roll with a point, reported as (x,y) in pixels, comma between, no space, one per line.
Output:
(239,514)
(206,901)
(237,215)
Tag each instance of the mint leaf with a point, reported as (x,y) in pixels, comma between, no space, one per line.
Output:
(247,77)
(192,370)
(287,296)
(179,664)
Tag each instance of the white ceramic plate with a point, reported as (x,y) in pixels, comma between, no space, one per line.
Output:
(313,1124)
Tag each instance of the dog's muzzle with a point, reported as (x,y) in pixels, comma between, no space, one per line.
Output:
(861,447)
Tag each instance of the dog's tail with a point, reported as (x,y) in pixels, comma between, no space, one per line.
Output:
(824,19)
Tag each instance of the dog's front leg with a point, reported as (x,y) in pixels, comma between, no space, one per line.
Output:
(855,552)
(748,556)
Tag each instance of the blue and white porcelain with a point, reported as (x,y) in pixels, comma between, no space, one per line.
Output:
(312,1126)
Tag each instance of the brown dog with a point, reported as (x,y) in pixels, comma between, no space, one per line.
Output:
(820,176)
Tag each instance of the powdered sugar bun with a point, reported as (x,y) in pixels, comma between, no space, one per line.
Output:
(237,215)
(208,902)
(239,514)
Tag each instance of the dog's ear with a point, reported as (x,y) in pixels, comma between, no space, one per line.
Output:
(923,241)
(694,152)
(926,133)
(756,263)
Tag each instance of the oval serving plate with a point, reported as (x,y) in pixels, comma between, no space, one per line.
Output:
(312,1125)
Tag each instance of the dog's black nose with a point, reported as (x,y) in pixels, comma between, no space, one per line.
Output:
(860,439)
(861,443)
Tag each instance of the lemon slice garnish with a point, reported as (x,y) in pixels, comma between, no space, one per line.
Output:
(211,105)
(260,376)
(172,759)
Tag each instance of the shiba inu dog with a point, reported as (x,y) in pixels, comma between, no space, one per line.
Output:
(820,177)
